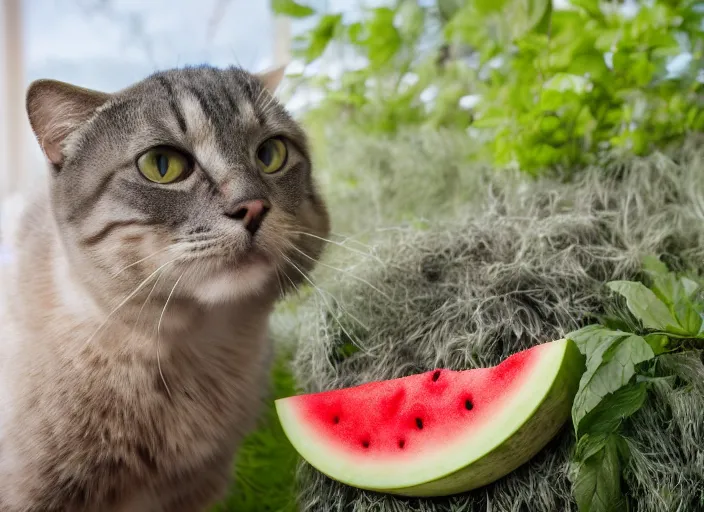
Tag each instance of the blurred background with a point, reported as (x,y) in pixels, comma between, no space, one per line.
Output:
(411,105)
(542,86)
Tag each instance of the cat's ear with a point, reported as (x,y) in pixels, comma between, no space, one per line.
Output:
(56,109)
(272,78)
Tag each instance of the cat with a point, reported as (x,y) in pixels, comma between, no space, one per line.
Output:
(133,336)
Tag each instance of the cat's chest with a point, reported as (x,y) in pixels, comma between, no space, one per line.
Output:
(198,399)
(122,422)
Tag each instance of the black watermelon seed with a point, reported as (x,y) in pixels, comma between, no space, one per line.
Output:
(419,423)
(401,443)
(436,376)
(365,444)
(468,405)
(336,420)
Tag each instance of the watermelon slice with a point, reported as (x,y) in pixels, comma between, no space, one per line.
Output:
(441,432)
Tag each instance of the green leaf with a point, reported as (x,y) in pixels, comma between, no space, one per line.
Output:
(484,7)
(608,415)
(412,20)
(594,340)
(608,371)
(690,286)
(591,63)
(355,32)
(658,343)
(590,6)
(615,322)
(590,444)
(525,15)
(688,317)
(566,82)
(654,267)
(384,39)
(641,70)
(321,35)
(646,306)
(597,487)
(291,8)
(665,284)
(448,8)
(667,288)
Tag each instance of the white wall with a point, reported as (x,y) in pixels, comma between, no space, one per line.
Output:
(3,114)
(21,163)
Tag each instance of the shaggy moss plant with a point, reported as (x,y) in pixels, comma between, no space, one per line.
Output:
(529,265)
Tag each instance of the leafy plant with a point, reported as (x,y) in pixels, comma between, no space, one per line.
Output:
(619,368)
(544,88)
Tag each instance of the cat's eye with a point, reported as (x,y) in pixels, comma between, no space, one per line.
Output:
(271,156)
(163,165)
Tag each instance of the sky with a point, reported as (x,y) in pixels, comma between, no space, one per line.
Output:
(111,47)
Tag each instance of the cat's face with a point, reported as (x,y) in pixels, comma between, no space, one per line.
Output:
(198,173)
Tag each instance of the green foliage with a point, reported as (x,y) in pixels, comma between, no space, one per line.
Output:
(556,87)
(619,370)
(598,485)
(609,367)
(291,8)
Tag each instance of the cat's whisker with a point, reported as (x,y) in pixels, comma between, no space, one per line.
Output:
(321,293)
(294,285)
(126,300)
(140,261)
(357,278)
(158,333)
(350,238)
(338,244)
(278,272)
(278,280)
(136,323)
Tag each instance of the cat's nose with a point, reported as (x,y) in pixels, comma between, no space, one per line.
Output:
(250,214)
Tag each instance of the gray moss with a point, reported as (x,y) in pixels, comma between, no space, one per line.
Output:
(526,266)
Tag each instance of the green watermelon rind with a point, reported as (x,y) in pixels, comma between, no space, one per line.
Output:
(527,421)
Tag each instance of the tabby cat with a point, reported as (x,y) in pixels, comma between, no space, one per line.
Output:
(134,311)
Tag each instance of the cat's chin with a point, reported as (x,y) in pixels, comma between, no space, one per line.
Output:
(232,283)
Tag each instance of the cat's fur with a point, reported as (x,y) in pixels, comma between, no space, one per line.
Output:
(133,336)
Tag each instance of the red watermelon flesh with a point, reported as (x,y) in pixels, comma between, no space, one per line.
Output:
(438,432)
(415,413)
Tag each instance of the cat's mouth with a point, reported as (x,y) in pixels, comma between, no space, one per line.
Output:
(252,256)
(229,276)
(231,255)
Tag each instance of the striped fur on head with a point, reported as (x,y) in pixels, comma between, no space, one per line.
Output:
(110,216)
